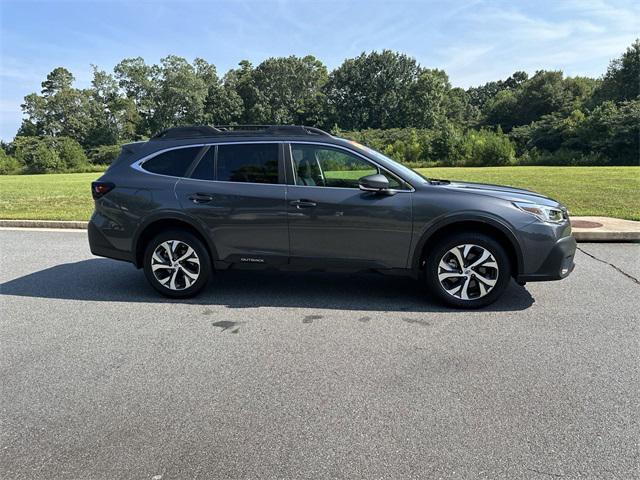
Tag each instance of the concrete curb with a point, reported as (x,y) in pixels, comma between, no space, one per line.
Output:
(605,229)
(44,224)
(612,229)
(607,236)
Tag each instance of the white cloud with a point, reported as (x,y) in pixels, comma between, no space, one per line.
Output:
(499,40)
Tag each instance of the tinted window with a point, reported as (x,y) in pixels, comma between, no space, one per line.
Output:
(329,167)
(204,170)
(174,162)
(255,163)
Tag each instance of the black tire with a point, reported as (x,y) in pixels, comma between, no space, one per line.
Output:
(501,276)
(199,265)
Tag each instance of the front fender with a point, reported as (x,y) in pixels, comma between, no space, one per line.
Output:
(447,220)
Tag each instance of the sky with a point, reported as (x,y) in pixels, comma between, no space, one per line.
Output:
(475,41)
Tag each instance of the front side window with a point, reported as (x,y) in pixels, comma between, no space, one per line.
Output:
(173,162)
(317,165)
(252,163)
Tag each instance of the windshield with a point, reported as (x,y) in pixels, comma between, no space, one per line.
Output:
(403,169)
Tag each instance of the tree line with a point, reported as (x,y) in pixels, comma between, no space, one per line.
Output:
(383,99)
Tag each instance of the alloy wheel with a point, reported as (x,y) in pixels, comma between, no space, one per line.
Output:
(175,265)
(468,272)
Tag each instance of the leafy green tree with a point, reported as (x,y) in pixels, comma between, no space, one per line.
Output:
(544,93)
(181,93)
(622,80)
(43,160)
(581,91)
(427,102)
(140,83)
(114,115)
(479,97)
(240,81)
(290,90)
(222,105)
(613,131)
(551,132)
(458,108)
(488,148)
(104,154)
(58,80)
(71,154)
(49,154)
(60,110)
(503,109)
(373,91)
(447,147)
(395,105)
(407,151)
(175,92)
(8,164)
(38,155)
(279,91)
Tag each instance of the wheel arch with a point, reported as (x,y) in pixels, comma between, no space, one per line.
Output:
(174,220)
(469,223)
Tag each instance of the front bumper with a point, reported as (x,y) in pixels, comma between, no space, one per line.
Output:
(558,264)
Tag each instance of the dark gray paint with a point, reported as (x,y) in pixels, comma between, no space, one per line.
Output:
(339,226)
(242,219)
(350,224)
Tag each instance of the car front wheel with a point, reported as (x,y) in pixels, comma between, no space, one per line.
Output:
(177,264)
(467,270)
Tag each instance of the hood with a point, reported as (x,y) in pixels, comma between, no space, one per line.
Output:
(506,193)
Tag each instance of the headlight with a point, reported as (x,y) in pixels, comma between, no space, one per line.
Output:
(544,213)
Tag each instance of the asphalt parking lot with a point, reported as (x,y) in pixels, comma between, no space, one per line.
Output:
(282,375)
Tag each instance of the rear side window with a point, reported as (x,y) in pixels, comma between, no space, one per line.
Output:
(173,162)
(253,163)
(204,170)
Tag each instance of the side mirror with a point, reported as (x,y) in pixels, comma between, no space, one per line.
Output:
(374,183)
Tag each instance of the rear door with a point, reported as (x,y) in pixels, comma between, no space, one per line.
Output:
(332,222)
(238,191)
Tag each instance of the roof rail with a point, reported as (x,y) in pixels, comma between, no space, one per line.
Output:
(198,131)
(272,129)
(195,131)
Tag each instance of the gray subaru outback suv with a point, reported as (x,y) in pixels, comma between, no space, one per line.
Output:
(197,199)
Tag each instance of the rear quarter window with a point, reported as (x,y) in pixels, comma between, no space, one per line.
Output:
(174,163)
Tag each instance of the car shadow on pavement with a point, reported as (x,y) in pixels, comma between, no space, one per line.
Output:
(104,280)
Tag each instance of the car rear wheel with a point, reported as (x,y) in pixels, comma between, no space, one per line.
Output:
(467,270)
(177,264)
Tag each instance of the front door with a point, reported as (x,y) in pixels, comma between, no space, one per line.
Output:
(238,192)
(332,221)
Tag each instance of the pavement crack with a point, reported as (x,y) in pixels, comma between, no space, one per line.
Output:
(631,277)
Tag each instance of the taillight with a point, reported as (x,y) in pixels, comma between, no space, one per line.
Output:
(98,189)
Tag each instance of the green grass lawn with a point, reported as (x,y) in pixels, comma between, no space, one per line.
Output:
(602,191)
(608,191)
(61,196)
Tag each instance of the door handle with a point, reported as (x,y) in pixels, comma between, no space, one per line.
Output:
(302,203)
(200,197)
